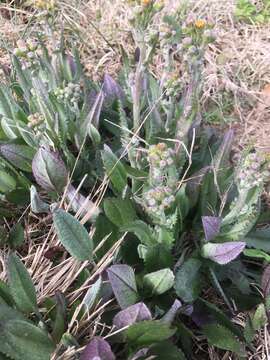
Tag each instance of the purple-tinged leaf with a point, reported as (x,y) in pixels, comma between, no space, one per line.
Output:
(81,204)
(140,354)
(132,314)
(123,283)
(49,169)
(112,90)
(224,150)
(94,114)
(98,349)
(265,281)
(171,313)
(72,64)
(20,156)
(223,253)
(211,226)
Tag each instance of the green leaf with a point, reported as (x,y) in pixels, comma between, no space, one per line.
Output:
(119,211)
(221,337)
(3,357)
(20,156)
(21,340)
(123,283)
(146,333)
(8,313)
(7,182)
(259,254)
(21,285)
(37,204)
(92,295)
(259,239)
(183,204)
(188,280)
(73,235)
(16,236)
(249,332)
(5,293)
(141,230)
(158,257)
(259,318)
(60,325)
(10,129)
(115,170)
(221,318)
(159,282)
(166,350)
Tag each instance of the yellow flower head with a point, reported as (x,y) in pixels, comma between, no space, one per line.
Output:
(200,23)
(44,4)
(146,2)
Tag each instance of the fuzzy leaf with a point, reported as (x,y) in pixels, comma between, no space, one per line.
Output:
(159,282)
(73,235)
(37,204)
(166,350)
(188,281)
(259,254)
(49,169)
(21,340)
(171,313)
(132,314)
(21,285)
(16,236)
(265,281)
(92,295)
(148,332)
(7,182)
(223,253)
(20,156)
(220,317)
(222,338)
(9,313)
(223,152)
(98,348)
(259,318)
(5,293)
(123,283)
(119,211)
(112,90)
(141,230)
(60,323)
(211,226)
(158,257)
(93,116)
(115,170)
(81,204)
(259,239)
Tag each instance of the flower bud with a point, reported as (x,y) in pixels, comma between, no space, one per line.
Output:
(49,169)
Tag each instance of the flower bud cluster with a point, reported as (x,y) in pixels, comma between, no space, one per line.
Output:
(28,52)
(173,85)
(252,173)
(70,93)
(159,196)
(35,120)
(160,156)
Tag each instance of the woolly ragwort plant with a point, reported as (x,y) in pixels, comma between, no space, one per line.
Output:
(162,182)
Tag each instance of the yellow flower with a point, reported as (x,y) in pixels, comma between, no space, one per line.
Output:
(146,2)
(200,23)
(44,4)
